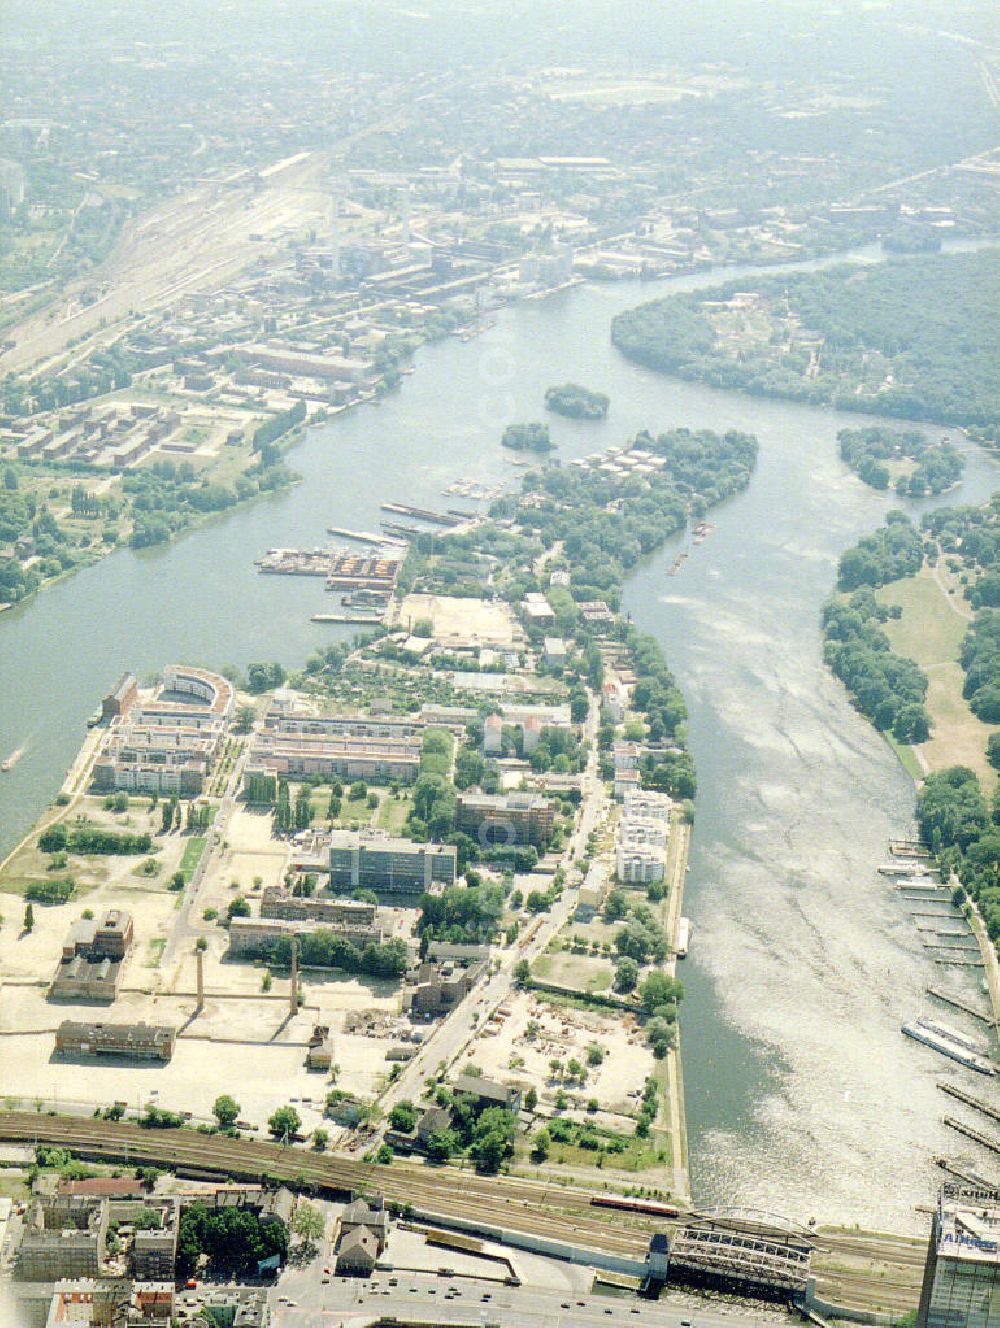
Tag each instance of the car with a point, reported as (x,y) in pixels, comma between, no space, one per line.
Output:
(564,1305)
(191,1283)
(685,1323)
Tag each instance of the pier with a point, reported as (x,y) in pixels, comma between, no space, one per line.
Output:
(969,1099)
(367,620)
(910,848)
(959,1005)
(362,536)
(970,1132)
(961,1172)
(424,514)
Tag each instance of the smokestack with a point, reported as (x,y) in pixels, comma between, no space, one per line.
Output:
(293,995)
(199,980)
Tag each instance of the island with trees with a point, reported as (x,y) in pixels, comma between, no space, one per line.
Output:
(878,454)
(527,438)
(577,402)
(916,339)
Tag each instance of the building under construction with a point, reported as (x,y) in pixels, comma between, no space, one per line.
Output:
(738,1249)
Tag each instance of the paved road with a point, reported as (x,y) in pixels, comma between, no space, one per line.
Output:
(189,924)
(431,1299)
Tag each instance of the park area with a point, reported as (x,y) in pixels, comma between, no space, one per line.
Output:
(935,618)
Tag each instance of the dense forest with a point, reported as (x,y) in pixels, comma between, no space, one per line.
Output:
(916,339)
(895,550)
(887,688)
(965,833)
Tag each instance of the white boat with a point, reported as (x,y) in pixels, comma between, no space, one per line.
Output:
(11,761)
(933,1036)
(684,928)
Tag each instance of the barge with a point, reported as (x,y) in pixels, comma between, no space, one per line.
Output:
(949,1042)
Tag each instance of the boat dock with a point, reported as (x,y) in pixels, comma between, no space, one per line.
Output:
(958,1004)
(362,536)
(296,562)
(910,848)
(960,1171)
(969,1099)
(366,620)
(970,1132)
(423,514)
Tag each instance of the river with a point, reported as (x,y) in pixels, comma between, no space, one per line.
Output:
(802,1097)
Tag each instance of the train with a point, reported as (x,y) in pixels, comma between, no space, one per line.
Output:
(650,1206)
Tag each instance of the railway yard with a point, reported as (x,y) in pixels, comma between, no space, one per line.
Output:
(872,1272)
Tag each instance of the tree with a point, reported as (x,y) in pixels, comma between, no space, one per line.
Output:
(29,918)
(530,1100)
(238,908)
(308,1223)
(522,972)
(540,1146)
(660,1035)
(226,1110)
(626,975)
(245,715)
(615,906)
(320,1139)
(660,989)
(403,1117)
(441,1144)
(492,1138)
(284,1123)
(993,750)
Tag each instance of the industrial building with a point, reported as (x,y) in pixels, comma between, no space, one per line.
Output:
(135,1042)
(278,903)
(439,990)
(90,966)
(394,866)
(961,1287)
(256,938)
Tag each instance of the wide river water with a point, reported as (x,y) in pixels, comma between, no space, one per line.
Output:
(802,1097)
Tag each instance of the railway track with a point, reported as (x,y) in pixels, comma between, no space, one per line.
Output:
(535,1207)
(886,1271)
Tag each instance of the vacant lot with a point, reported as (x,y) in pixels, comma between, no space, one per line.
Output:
(456,619)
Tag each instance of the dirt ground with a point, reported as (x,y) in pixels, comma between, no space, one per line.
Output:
(563,1034)
(458,620)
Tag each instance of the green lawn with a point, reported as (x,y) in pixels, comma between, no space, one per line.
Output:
(931,632)
(193,850)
